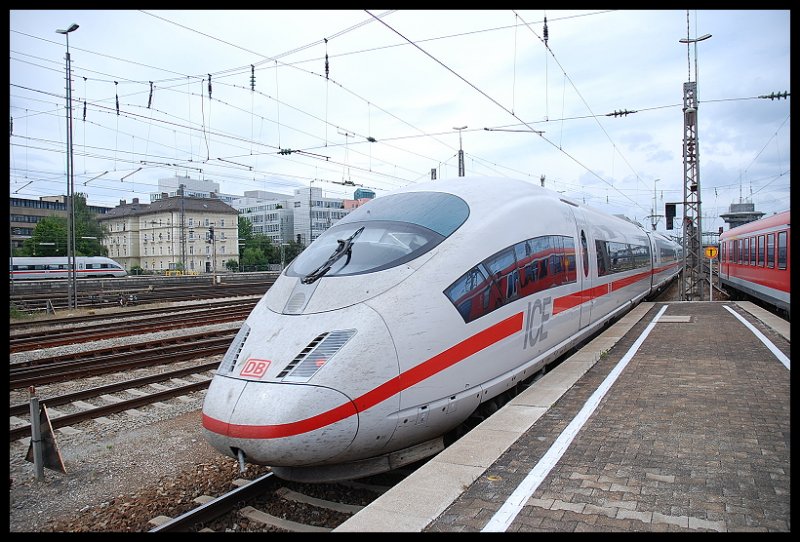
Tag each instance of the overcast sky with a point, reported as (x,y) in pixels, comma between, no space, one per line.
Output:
(406,79)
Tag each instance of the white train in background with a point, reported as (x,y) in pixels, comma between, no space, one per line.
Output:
(415,311)
(56,267)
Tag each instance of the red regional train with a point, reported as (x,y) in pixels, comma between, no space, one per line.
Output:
(755,261)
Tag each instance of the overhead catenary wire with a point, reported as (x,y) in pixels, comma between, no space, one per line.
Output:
(349,129)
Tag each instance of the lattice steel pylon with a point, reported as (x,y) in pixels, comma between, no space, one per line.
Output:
(692,289)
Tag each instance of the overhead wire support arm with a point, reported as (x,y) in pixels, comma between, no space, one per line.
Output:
(540,132)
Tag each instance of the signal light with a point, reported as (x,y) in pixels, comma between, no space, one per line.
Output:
(669,212)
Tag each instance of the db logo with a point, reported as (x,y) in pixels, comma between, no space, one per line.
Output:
(255,367)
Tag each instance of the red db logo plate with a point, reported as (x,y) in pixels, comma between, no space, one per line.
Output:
(255,368)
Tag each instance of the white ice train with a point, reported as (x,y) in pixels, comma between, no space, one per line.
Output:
(57,267)
(411,312)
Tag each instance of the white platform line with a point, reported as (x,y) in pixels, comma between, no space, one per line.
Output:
(774,349)
(513,505)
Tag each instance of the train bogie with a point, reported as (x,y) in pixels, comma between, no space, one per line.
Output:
(392,328)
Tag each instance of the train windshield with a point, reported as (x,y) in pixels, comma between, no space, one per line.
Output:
(381,234)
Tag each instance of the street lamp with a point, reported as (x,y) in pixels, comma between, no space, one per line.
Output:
(460,152)
(655,206)
(72,291)
(687,41)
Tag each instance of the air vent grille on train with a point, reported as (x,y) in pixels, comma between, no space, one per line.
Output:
(316,354)
(232,355)
(296,303)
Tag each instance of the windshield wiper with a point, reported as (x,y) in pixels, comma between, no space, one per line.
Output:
(345,247)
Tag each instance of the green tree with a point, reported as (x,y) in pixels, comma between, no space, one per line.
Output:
(245,229)
(263,243)
(89,233)
(253,259)
(49,237)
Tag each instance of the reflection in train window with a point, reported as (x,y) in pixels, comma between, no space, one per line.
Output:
(613,257)
(515,272)
(770,250)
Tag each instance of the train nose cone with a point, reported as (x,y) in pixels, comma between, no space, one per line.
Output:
(278,424)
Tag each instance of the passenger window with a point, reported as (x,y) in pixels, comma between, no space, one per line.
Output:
(782,239)
(585,252)
(771,250)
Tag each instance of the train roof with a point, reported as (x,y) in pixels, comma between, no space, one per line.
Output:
(483,192)
(779,219)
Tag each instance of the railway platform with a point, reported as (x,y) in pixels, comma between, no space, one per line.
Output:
(676,418)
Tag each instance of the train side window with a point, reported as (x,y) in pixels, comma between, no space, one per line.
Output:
(722,252)
(770,250)
(760,254)
(740,243)
(782,238)
(603,261)
(570,274)
(471,294)
(746,255)
(585,251)
(752,251)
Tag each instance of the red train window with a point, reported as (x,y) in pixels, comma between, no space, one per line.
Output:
(747,251)
(782,241)
(752,251)
(760,255)
(770,250)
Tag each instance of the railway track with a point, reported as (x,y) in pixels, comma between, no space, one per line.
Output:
(92,296)
(86,411)
(101,361)
(269,504)
(37,338)
(21,327)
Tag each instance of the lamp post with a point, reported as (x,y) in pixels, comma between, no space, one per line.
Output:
(655,206)
(693,281)
(460,152)
(72,292)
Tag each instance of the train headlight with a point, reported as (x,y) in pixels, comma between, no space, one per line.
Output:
(316,354)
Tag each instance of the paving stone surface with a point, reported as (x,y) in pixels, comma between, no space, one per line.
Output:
(693,436)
